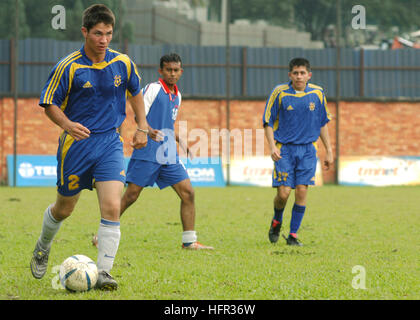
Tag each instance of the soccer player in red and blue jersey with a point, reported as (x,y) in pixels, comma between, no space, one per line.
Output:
(295,116)
(159,161)
(85,95)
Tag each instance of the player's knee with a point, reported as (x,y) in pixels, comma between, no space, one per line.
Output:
(110,209)
(62,211)
(282,195)
(301,191)
(131,196)
(188,195)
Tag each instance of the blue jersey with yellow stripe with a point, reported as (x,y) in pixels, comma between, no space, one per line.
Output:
(93,94)
(296,117)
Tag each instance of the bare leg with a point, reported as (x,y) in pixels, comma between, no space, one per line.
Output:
(185,191)
(130,196)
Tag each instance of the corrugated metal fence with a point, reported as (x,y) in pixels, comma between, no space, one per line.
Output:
(254,71)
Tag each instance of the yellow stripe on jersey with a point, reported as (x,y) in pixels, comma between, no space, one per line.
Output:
(314,86)
(273,97)
(57,71)
(60,75)
(57,76)
(101,65)
(329,116)
(276,124)
(67,142)
(274,173)
(302,94)
(64,104)
(128,63)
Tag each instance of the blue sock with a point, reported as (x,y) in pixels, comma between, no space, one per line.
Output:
(278,214)
(297,216)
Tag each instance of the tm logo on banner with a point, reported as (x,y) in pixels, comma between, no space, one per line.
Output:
(32,170)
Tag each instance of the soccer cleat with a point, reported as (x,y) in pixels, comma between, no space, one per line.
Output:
(196,246)
(274,232)
(106,282)
(292,241)
(39,261)
(95,240)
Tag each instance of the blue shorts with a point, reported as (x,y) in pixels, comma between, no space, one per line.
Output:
(97,158)
(146,173)
(297,165)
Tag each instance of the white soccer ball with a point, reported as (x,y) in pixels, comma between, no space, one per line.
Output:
(78,273)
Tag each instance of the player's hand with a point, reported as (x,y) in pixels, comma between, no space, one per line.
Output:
(329,161)
(275,154)
(139,140)
(77,130)
(156,135)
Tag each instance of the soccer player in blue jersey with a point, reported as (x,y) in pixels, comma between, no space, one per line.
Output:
(159,161)
(85,95)
(295,116)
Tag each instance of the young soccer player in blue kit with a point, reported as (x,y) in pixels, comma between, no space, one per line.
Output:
(159,161)
(85,95)
(295,116)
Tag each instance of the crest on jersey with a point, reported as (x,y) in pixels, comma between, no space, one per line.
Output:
(312,106)
(117,80)
(175,112)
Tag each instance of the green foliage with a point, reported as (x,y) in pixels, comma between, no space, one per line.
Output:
(343,227)
(7,19)
(35,18)
(276,12)
(312,16)
(315,15)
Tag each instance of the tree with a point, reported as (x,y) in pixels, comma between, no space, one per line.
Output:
(276,12)
(391,13)
(35,18)
(315,16)
(7,20)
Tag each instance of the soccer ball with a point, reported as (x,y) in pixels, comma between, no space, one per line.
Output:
(78,273)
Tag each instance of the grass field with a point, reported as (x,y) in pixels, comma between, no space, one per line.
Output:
(344,227)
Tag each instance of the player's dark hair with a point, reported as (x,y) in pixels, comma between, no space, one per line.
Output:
(298,62)
(171,57)
(97,13)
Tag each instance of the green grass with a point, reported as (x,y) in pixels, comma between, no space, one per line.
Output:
(377,228)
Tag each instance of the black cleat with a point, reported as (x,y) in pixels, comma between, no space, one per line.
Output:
(274,232)
(106,282)
(292,241)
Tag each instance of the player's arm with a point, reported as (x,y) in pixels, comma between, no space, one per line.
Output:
(324,134)
(325,138)
(75,129)
(269,117)
(54,93)
(269,135)
(184,146)
(140,136)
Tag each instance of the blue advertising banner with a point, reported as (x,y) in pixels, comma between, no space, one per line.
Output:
(205,172)
(33,170)
(41,170)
